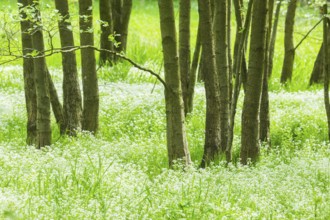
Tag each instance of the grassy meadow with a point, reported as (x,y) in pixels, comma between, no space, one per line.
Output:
(122,172)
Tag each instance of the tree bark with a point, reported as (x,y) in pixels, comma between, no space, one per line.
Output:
(221,53)
(212,124)
(239,67)
(72,109)
(184,50)
(42,84)
(177,145)
(106,31)
(273,37)
(28,73)
(264,106)
(121,12)
(250,116)
(318,72)
(289,52)
(193,71)
(88,68)
(326,64)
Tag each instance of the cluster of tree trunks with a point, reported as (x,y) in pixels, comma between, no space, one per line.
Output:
(222,73)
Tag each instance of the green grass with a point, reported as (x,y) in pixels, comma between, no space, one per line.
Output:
(122,172)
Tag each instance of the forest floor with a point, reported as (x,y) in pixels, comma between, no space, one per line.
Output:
(122,172)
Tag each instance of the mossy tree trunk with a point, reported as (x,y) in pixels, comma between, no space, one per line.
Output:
(72,109)
(212,124)
(250,148)
(177,145)
(289,51)
(88,67)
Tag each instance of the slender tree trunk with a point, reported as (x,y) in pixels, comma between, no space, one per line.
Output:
(56,104)
(177,145)
(72,109)
(212,124)
(88,68)
(264,106)
(273,37)
(230,59)
(250,116)
(318,72)
(193,71)
(289,51)
(121,12)
(106,31)
(184,50)
(28,73)
(42,84)
(125,18)
(326,64)
(221,53)
(239,67)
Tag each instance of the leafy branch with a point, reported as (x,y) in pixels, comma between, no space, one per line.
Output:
(53,51)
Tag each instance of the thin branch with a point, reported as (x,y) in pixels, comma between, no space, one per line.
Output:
(310,31)
(53,51)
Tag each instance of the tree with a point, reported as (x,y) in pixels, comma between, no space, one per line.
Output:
(121,13)
(28,73)
(239,66)
(221,53)
(250,115)
(184,51)
(273,36)
(41,82)
(71,91)
(212,124)
(106,31)
(88,68)
(326,65)
(289,51)
(317,72)
(177,145)
(264,130)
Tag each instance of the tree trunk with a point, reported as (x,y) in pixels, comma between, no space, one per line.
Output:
(250,115)
(193,71)
(221,53)
(125,18)
(318,72)
(326,64)
(212,124)
(273,37)
(289,51)
(184,50)
(88,68)
(177,145)
(42,84)
(106,31)
(264,106)
(239,67)
(72,109)
(121,12)
(28,73)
